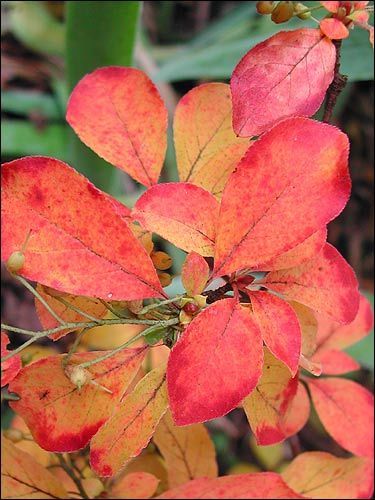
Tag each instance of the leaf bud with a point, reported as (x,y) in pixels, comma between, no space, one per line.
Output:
(302,11)
(282,12)
(265,8)
(14,435)
(191,308)
(161,260)
(15,262)
(77,375)
(165,279)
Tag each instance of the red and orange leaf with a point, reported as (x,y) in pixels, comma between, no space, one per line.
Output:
(23,477)
(184,214)
(279,326)
(289,185)
(78,244)
(259,485)
(326,283)
(133,486)
(317,474)
(286,75)
(131,427)
(11,367)
(335,362)
(266,407)
(332,335)
(151,462)
(346,411)
(194,274)
(62,417)
(207,149)
(297,413)
(298,254)
(119,114)
(29,445)
(188,451)
(90,306)
(216,363)
(334,28)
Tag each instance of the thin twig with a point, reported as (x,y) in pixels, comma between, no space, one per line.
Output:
(72,475)
(336,87)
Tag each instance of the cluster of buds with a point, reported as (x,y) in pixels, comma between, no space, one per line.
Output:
(281,12)
(190,307)
(162,261)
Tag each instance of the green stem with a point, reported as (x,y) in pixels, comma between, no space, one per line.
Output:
(36,294)
(74,346)
(150,307)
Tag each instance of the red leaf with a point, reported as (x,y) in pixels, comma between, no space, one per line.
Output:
(279,326)
(326,283)
(331,6)
(258,485)
(286,75)
(317,474)
(194,274)
(184,214)
(335,362)
(119,113)
(346,411)
(62,417)
(217,362)
(289,185)
(79,243)
(10,367)
(334,28)
(298,412)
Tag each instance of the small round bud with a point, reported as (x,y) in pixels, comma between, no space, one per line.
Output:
(282,12)
(77,375)
(161,260)
(191,308)
(302,11)
(265,8)
(15,262)
(14,435)
(165,279)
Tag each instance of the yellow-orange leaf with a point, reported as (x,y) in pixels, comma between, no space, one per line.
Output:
(309,328)
(266,406)
(194,274)
(297,413)
(184,214)
(188,451)
(133,486)
(317,474)
(23,477)
(119,113)
(130,429)
(62,417)
(207,149)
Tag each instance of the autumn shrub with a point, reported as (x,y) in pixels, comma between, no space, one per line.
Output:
(268,306)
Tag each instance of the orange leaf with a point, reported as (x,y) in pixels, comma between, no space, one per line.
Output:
(194,274)
(216,363)
(79,243)
(11,367)
(130,429)
(258,485)
(279,326)
(119,114)
(326,283)
(290,184)
(309,327)
(23,477)
(135,485)
(184,214)
(286,75)
(335,362)
(188,451)
(265,407)
(62,417)
(89,305)
(207,149)
(318,474)
(346,411)
(297,413)
(334,28)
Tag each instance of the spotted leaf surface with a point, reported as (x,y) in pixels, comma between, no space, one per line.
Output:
(216,363)
(119,114)
(207,149)
(62,417)
(72,224)
(184,214)
(295,176)
(286,75)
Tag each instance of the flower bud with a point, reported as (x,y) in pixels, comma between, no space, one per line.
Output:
(265,8)
(77,375)
(165,279)
(282,12)
(14,435)
(300,10)
(15,262)
(161,260)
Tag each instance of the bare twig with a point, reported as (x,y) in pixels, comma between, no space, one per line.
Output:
(336,87)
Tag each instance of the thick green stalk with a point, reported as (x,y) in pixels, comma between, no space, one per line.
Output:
(98,34)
